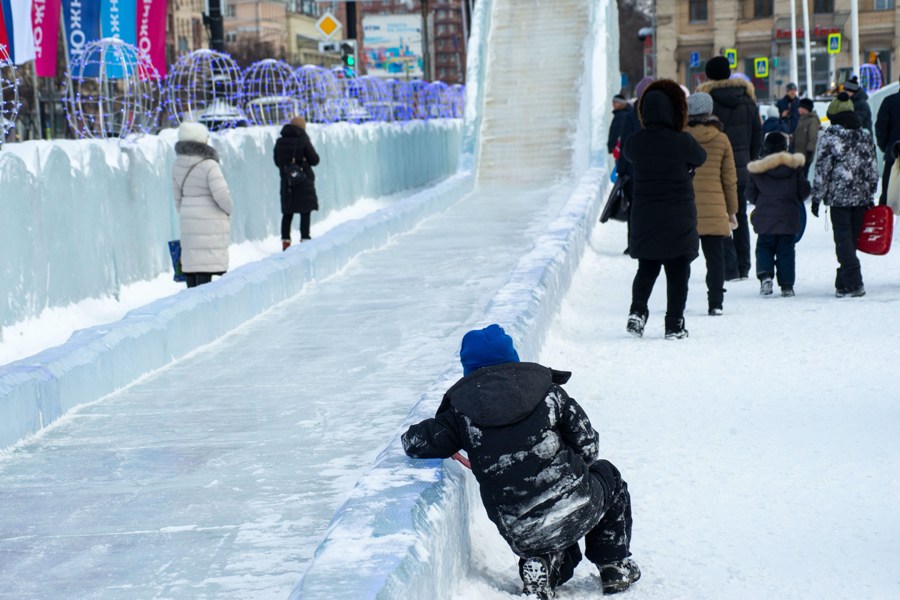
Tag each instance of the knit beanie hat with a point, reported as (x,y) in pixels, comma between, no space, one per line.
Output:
(840,104)
(620,99)
(772,112)
(775,142)
(717,68)
(699,103)
(852,85)
(193,132)
(641,86)
(486,347)
(807,103)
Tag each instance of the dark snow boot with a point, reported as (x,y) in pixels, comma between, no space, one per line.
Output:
(618,576)
(787,291)
(535,574)
(676,331)
(636,324)
(765,285)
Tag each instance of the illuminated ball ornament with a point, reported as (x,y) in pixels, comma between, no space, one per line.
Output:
(438,101)
(271,92)
(374,97)
(401,100)
(9,93)
(319,93)
(870,78)
(458,100)
(112,91)
(417,94)
(205,86)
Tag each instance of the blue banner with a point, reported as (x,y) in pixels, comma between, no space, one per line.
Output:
(118,19)
(82,21)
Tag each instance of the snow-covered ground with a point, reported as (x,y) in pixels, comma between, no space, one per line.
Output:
(761,453)
(54,325)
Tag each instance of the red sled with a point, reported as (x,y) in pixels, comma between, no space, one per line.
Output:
(877,231)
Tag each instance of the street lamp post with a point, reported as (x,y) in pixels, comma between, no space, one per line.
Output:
(426,46)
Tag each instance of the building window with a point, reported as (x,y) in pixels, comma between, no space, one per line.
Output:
(883,5)
(231,37)
(823,6)
(230,11)
(762,8)
(698,12)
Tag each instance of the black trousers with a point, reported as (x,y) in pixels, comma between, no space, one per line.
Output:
(610,540)
(714,252)
(847,222)
(885,177)
(195,279)
(678,272)
(286,220)
(737,247)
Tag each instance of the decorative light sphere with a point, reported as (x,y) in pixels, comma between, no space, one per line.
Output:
(374,96)
(112,91)
(401,100)
(458,100)
(438,101)
(319,93)
(417,93)
(870,78)
(9,93)
(206,86)
(271,92)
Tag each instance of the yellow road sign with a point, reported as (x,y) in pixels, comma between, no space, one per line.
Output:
(328,25)
(834,43)
(761,68)
(731,55)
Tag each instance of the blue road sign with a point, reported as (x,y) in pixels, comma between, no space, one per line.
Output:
(695,60)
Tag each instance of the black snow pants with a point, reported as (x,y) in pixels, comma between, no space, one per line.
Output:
(737,247)
(847,222)
(286,219)
(610,540)
(714,253)
(678,273)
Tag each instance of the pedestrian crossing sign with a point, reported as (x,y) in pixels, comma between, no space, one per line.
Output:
(761,67)
(834,43)
(731,55)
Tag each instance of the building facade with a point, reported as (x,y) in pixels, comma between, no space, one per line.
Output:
(185,30)
(256,27)
(690,32)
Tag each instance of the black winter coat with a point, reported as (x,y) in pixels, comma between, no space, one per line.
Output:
(793,108)
(778,186)
(530,446)
(620,116)
(631,124)
(861,107)
(295,144)
(887,125)
(734,102)
(663,211)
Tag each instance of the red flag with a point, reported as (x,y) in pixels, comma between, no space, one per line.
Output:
(45,21)
(151,26)
(4,40)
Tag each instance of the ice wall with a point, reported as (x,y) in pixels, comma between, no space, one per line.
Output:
(404,527)
(95,362)
(79,219)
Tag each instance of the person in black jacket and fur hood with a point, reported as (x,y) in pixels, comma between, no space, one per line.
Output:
(295,147)
(734,103)
(535,456)
(664,214)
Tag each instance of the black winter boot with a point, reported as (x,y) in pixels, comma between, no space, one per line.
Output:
(676,331)
(618,576)
(636,323)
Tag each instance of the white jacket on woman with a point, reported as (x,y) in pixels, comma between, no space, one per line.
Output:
(204,208)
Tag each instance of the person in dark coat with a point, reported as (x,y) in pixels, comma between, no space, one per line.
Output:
(663,216)
(860,100)
(535,456)
(621,108)
(294,146)
(789,108)
(887,133)
(846,179)
(777,187)
(734,103)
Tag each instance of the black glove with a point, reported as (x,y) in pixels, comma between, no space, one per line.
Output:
(815,209)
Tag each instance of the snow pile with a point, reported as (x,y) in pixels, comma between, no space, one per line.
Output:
(81,219)
(98,360)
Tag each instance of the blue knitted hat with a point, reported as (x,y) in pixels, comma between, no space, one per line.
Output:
(486,347)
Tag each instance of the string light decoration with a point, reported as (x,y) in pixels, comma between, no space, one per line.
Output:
(438,103)
(271,92)
(319,93)
(401,100)
(374,97)
(112,91)
(458,98)
(417,93)
(870,78)
(206,86)
(9,93)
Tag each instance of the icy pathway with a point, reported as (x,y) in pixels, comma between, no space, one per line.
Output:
(216,477)
(762,453)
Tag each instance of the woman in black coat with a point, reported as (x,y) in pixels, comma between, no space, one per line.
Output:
(295,147)
(663,214)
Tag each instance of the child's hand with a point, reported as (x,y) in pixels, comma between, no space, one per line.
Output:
(815,209)
(732,222)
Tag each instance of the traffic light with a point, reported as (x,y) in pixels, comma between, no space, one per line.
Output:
(348,56)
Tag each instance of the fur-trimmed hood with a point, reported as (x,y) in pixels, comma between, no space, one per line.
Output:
(728,84)
(671,115)
(196,149)
(773,161)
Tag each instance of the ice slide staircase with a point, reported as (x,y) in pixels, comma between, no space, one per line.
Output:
(216,476)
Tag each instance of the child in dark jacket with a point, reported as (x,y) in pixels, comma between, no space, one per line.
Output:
(777,187)
(534,454)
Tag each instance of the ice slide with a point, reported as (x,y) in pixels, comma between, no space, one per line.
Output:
(217,475)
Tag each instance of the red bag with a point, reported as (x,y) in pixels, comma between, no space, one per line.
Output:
(877,231)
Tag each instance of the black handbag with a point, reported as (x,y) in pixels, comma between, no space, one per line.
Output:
(616,207)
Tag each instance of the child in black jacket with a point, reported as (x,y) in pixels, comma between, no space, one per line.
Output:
(535,456)
(778,187)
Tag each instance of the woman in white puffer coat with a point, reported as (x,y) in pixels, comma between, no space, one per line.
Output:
(203,204)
